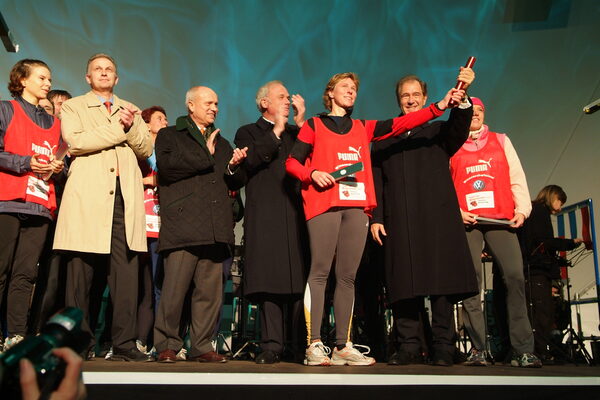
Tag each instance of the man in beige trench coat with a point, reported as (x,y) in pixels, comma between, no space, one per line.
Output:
(101,223)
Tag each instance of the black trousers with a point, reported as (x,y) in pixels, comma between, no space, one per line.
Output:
(538,289)
(49,294)
(280,317)
(22,239)
(88,273)
(407,314)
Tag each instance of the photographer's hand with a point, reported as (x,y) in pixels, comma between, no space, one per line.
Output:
(71,387)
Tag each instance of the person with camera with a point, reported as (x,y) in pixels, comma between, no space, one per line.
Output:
(71,386)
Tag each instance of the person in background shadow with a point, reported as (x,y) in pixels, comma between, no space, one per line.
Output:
(542,265)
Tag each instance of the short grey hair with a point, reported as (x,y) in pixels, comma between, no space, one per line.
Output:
(263,92)
(100,55)
(190,95)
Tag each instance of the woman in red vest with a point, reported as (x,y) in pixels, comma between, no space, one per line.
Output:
(331,158)
(490,183)
(29,138)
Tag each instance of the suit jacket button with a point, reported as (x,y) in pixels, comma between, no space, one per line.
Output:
(111,192)
(112,170)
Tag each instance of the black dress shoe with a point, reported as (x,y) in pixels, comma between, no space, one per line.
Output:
(402,357)
(132,354)
(443,359)
(268,357)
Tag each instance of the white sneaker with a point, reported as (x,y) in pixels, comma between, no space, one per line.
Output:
(109,354)
(141,346)
(317,354)
(12,340)
(182,354)
(350,355)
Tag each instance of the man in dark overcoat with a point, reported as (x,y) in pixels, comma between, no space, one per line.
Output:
(196,169)
(274,225)
(419,226)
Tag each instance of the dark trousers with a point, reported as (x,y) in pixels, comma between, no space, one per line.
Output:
(22,239)
(88,273)
(407,314)
(280,317)
(49,294)
(202,267)
(541,312)
(150,281)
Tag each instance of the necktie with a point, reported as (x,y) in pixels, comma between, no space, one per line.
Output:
(108,104)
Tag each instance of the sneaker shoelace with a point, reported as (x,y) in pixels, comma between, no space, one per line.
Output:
(357,346)
(324,349)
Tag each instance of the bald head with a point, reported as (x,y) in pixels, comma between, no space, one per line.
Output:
(203,105)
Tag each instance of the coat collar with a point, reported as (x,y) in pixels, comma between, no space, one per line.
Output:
(91,100)
(186,123)
(264,124)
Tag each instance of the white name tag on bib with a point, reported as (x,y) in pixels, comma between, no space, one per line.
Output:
(152,223)
(352,191)
(480,200)
(38,187)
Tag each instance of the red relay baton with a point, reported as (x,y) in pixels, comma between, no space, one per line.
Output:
(460,84)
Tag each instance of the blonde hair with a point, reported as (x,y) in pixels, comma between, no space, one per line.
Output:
(334,81)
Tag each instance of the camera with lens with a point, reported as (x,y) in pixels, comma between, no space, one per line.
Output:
(62,330)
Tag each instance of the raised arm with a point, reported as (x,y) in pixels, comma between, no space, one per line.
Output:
(381,130)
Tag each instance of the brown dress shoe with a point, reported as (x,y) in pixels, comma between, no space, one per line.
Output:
(211,356)
(167,356)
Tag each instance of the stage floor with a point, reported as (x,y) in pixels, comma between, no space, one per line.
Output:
(246,372)
(288,381)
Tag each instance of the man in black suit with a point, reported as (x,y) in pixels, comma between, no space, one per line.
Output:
(274,226)
(196,168)
(419,225)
